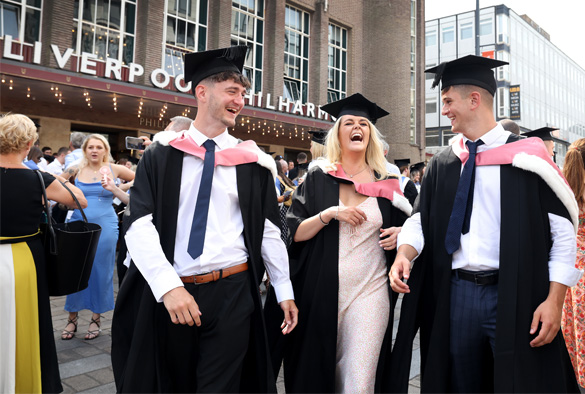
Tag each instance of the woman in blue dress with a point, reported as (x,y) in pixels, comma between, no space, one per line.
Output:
(90,176)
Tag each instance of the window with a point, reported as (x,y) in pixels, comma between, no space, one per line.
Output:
(503,28)
(432,138)
(431,106)
(485,27)
(429,76)
(21,19)
(248,29)
(448,34)
(431,38)
(105,28)
(296,54)
(185,31)
(337,64)
(447,135)
(503,102)
(466,30)
(503,71)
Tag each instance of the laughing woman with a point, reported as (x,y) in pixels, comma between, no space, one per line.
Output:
(339,258)
(28,358)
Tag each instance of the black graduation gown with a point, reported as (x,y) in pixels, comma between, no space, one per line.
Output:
(136,344)
(410,192)
(309,355)
(525,243)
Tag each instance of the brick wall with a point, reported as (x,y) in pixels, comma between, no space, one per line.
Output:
(59,33)
(148,50)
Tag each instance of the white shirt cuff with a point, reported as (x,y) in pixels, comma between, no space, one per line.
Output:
(561,264)
(412,234)
(283,291)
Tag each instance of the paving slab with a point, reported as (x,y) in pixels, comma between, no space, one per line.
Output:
(81,382)
(107,388)
(104,375)
(84,365)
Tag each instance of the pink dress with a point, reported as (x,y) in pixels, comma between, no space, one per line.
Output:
(573,321)
(364,302)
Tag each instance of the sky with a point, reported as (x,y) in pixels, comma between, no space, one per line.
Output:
(563,20)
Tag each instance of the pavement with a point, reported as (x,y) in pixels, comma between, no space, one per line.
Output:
(86,367)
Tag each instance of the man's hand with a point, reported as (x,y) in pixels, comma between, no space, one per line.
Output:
(182,307)
(400,269)
(549,314)
(146,142)
(389,237)
(291,316)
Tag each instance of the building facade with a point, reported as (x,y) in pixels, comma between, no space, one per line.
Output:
(115,66)
(540,87)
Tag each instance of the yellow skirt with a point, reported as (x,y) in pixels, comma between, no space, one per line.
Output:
(19,325)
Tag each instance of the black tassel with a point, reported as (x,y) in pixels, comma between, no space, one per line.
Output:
(438,74)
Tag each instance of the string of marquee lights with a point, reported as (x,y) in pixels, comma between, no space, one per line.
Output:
(263,126)
(58,94)
(259,126)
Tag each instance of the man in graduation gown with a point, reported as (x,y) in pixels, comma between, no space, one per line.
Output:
(202,224)
(544,133)
(310,351)
(406,184)
(488,288)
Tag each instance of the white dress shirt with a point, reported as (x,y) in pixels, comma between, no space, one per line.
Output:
(55,167)
(480,247)
(224,236)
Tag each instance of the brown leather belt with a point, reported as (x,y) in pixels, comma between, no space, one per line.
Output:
(215,275)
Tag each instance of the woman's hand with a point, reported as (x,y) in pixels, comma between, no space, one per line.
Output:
(108,183)
(389,237)
(351,215)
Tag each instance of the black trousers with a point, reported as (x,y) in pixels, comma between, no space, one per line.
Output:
(208,359)
(472,334)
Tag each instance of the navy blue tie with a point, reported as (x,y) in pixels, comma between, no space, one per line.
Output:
(461,213)
(197,237)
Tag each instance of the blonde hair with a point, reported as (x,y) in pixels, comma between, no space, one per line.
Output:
(317,150)
(107,157)
(16,131)
(374,151)
(574,170)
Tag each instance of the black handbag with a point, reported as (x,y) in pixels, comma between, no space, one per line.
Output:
(69,250)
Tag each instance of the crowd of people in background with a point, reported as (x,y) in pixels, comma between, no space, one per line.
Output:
(340,234)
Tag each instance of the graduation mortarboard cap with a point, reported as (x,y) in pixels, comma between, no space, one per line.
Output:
(468,70)
(401,162)
(200,65)
(543,133)
(417,166)
(356,105)
(318,136)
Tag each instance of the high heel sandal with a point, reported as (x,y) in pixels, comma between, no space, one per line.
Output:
(66,334)
(93,334)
